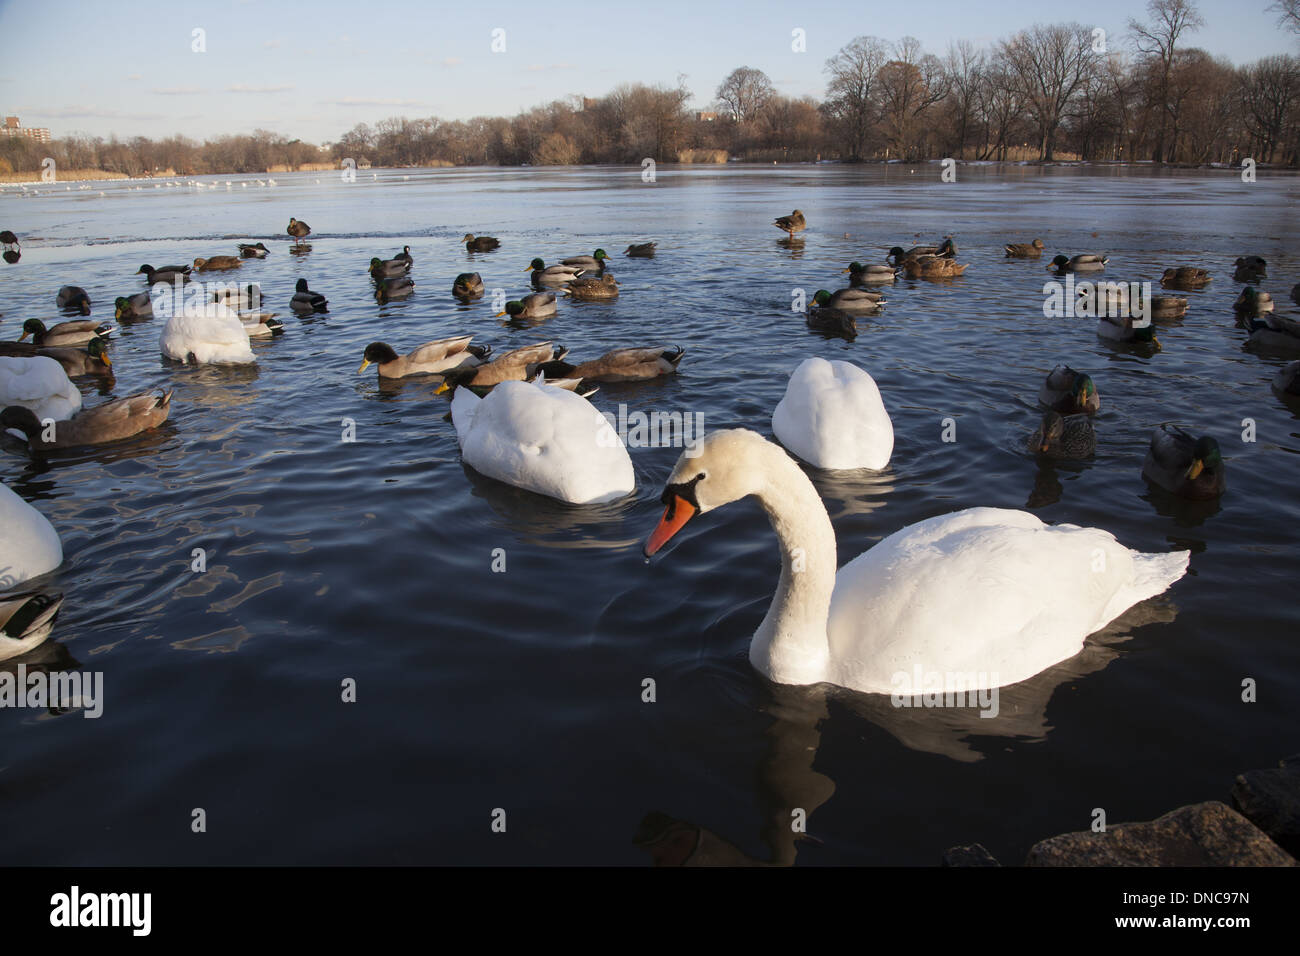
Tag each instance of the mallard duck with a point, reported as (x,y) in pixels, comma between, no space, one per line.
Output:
(898,255)
(13,251)
(475,243)
(304,300)
(1059,436)
(1069,392)
(261,325)
(244,297)
(1122,329)
(1273,332)
(1024,250)
(468,285)
(1085,262)
(39,383)
(947,248)
(405,255)
(509,367)
(130,307)
(870,275)
(1185,277)
(641,250)
(76,332)
(92,360)
(213,335)
(169,275)
(1166,308)
(594,288)
(985,591)
(112,421)
(1252,302)
(592,263)
(617,365)
(255,251)
(431,358)
(1250,269)
(539,305)
(542,439)
(834,321)
(861,301)
(1287,380)
(73,298)
(388,268)
(298,230)
(1184,465)
(389,290)
(26,620)
(217,264)
(832,416)
(933,267)
(29,546)
(791,224)
(552,275)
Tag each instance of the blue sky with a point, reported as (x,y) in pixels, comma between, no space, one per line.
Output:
(313,70)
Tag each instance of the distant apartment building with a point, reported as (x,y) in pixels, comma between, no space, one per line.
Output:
(13,128)
(707,116)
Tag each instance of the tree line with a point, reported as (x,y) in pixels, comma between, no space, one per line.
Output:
(1048,92)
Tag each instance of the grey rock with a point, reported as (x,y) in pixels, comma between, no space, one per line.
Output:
(1270,799)
(972,854)
(1203,834)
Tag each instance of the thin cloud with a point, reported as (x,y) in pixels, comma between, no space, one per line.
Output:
(540,68)
(452,61)
(360,101)
(245,88)
(135,76)
(271,44)
(93,112)
(177,91)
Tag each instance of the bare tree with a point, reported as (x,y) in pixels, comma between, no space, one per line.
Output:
(852,97)
(1288,14)
(1050,65)
(1158,42)
(745,92)
(910,83)
(965,67)
(1270,90)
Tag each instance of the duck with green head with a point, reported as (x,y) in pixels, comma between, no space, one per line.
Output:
(832,322)
(467,286)
(861,301)
(870,275)
(1069,392)
(92,360)
(390,290)
(1185,465)
(592,263)
(388,268)
(78,332)
(539,305)
(130,307)
(544,275)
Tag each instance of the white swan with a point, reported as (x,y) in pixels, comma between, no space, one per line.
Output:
(544,439)
(987,595)
(832,416)
(29,546)
(210,334)
(38,383)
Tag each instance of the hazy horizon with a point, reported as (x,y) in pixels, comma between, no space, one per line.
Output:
(315,72)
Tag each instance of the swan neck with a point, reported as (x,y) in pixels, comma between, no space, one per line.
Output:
(790,646)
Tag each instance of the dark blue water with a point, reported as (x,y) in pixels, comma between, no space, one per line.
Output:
(521,690)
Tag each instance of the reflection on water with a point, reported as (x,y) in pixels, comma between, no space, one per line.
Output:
(372,558)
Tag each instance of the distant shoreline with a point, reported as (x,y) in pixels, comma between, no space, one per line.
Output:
(82,176)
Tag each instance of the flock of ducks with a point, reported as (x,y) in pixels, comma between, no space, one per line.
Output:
(985,591)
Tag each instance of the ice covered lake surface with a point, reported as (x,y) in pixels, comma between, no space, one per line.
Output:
(522,690)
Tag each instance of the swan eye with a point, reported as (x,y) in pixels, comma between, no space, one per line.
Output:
(684,490)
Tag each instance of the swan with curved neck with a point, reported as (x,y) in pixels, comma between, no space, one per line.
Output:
(991,595)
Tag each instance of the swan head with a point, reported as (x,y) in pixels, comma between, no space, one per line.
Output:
(724,467)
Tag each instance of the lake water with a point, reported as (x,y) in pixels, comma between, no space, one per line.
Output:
(521,690)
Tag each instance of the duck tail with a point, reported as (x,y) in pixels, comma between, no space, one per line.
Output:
(37,612)
(105,330)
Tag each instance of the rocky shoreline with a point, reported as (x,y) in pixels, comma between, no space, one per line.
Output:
(1260,828)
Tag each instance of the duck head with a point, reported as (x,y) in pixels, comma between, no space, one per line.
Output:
(1205,457)
(377,353)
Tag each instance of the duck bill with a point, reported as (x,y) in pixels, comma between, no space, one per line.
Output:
(23,337)
(498,315)
(442,387)
(108,362)
(674,519)
(1195,470)
(364,365)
